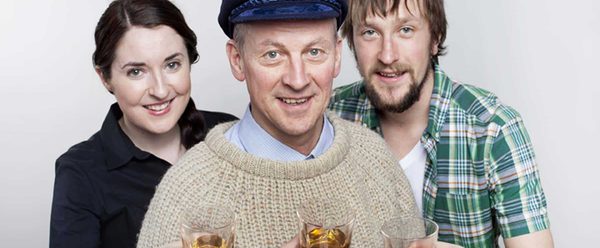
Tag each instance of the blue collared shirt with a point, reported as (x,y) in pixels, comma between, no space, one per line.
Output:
(251,138)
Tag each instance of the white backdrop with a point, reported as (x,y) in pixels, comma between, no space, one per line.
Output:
(539,56)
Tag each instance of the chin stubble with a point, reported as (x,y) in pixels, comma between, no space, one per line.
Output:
(412,96)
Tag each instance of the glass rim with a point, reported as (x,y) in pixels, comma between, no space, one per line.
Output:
(230,222)
(410,239)
(305,221)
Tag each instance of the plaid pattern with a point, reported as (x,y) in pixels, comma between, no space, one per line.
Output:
(481,177)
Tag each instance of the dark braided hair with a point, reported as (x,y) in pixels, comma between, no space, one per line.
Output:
(192,126)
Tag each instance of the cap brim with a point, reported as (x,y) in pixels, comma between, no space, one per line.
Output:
(308,11)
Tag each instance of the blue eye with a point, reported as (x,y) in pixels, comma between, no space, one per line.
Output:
(369,32)
(314,52)
(272,54)
(406,30)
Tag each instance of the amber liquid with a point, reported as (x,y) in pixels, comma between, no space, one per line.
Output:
(208,241)
(327,238)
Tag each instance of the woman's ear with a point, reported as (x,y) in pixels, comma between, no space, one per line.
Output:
(235,60)
(103,79)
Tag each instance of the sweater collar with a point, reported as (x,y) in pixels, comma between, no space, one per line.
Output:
(295,170)
(249,136)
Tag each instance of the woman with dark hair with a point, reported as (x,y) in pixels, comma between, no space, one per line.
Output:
(144,52)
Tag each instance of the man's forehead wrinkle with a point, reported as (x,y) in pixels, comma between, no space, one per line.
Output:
(270,42)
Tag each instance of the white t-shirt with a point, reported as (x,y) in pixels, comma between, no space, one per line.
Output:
(413,165)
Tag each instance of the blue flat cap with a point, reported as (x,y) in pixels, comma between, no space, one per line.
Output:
(241,11)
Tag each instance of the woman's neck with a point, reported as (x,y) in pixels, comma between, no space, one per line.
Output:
(166,146)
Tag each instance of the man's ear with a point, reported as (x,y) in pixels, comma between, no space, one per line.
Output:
(434,46)
(338,57)
(105,82)
(235,60)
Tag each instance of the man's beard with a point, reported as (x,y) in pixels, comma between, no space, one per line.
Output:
(412,96)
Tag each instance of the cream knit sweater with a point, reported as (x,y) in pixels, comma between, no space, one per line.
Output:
(265,194)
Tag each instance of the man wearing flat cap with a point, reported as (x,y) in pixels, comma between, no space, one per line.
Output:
(286,149)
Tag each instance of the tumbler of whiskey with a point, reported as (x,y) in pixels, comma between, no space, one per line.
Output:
(208,226)
(409,232)
(326,223)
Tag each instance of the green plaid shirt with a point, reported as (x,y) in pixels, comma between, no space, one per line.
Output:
(481,177)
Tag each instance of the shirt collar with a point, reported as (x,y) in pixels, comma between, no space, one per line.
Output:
(366,110)
(117,145)
(253,139)
(439,103)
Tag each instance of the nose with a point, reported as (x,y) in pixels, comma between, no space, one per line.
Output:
(158,86)
(389,52)
(296,77)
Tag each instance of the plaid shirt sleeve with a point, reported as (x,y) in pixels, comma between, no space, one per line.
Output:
(515,188)
(481,176)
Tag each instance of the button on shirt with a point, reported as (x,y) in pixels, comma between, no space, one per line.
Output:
(250,137)
(103,187)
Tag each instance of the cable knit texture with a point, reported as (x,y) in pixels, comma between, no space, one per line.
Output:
(265,194)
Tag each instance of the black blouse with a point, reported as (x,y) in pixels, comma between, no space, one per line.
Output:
(103,187)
